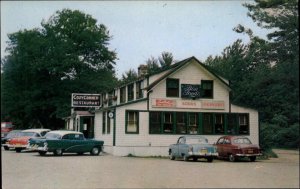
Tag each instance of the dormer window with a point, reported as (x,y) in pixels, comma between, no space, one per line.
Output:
(130,92)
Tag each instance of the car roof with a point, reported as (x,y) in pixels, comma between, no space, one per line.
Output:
(194,136)
(35,130)
(63,132)
(233,137)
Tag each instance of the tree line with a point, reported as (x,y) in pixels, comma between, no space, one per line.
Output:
(70,54)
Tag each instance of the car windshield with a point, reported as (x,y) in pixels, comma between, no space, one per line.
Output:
(196,141)
(29,134)
(241,141)
(52,136)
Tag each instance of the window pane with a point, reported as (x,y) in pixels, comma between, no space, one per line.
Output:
(168,122)
(207,124)
(219,123)
(122,95)
(132,122)
(130,92)
(231,124)
(181,125)
(207,89)
(243,124)
(193,123)
(155,122)
(172,87)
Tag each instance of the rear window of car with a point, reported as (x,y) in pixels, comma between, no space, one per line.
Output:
(241,141)
(196,141)
(52,136)
(13,134)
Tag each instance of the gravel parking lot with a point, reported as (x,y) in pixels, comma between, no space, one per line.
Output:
(29,170)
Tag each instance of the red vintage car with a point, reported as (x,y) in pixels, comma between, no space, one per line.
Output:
(21,142)
(234,147)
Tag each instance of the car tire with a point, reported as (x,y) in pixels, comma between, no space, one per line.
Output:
(58,152)
(95,151)
(252,158)
(232,158)
(171,156)
(42,153)
(18,150)
(6,148)
(210,159)
(79,153)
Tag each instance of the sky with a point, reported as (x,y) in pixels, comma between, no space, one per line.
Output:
(144,29)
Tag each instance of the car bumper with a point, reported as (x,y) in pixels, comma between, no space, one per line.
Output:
(248,155)
(37,148)
(16,146)
(209,154)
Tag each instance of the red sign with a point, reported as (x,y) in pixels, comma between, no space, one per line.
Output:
(216,105)
(163,103)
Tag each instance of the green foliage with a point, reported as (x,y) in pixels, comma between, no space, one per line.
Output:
(69,54)
(264,75)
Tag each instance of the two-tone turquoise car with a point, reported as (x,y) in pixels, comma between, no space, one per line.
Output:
(60,142)
(194,147)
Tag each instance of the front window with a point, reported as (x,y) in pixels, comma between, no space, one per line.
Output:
(168,122)
(139,89)
(180,123)
(155,122)
(193,123)
(219,123)
(31,134)
(132,123)
(207,123)
(207,89)
(243,124)
(172,87)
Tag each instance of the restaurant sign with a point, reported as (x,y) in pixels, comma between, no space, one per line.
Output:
(85,100)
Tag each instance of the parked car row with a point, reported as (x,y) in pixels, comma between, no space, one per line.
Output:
(58,142)
(231,147)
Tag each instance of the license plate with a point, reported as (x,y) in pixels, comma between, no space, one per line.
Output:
(203,151)
(250,151)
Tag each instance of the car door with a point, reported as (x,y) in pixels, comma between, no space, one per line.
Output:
(182,147)
(220,146)
(80,144)
(227,147)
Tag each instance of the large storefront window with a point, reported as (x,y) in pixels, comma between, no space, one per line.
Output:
(198,123)
(172,87)
(132,122)
(181,123)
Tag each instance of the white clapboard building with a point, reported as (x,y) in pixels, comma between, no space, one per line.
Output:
(145,116)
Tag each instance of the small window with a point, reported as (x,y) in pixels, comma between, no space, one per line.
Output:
(139,89)
(66,137)
(220,141)
(172,87)
(132,122)
(123,95)
(207,88)
(130,92)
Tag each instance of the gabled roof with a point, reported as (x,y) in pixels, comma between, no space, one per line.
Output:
(178,66)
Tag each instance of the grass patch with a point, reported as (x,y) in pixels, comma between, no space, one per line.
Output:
(269,153)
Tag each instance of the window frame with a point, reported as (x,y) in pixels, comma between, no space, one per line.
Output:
(203,93)
(136,113)
(168,81)
(130,92)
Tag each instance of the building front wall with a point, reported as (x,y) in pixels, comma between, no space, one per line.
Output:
(120,143)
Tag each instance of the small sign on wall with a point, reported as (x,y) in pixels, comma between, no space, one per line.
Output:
(213,105)
(163,103)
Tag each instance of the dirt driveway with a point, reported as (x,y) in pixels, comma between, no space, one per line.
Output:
(29,170)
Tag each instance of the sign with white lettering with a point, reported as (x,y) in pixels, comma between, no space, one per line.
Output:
(193,104)
(85,100)
(190,91)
